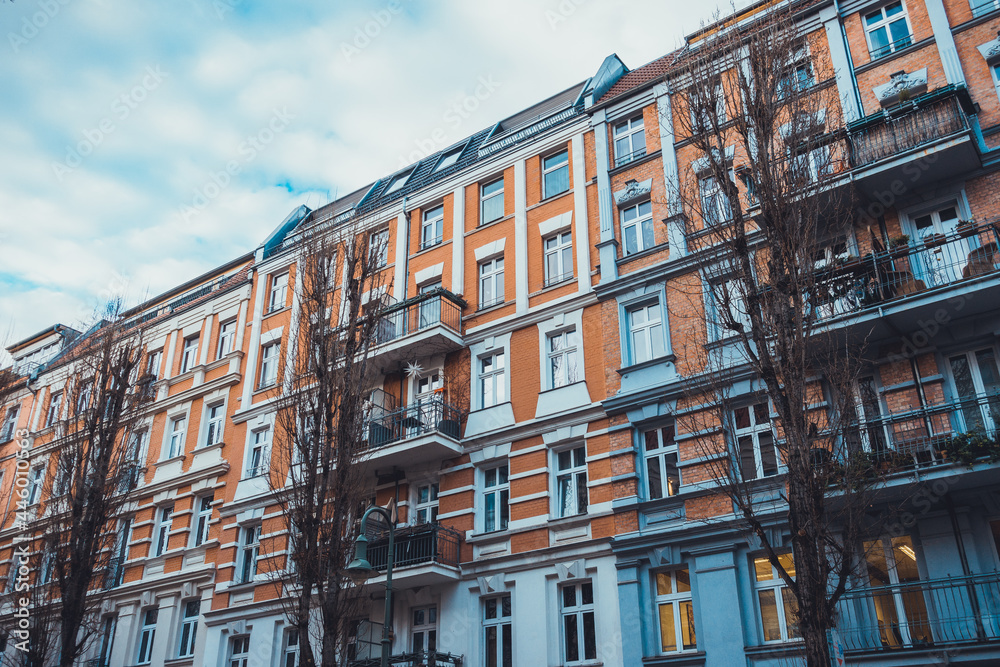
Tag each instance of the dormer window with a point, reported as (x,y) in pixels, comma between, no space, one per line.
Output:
(396,183)
(448,159)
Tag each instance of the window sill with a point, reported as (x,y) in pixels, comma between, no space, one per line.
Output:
(679,659)
(485,309)
(429,248)
(656,361)
(889,57)
(208,448)
(549,199)
(614,171)
(170,459)
(548,287)
(484,225)
(569,521)
(625,259)
(275,312)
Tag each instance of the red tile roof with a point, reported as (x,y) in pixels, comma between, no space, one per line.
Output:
(649,72)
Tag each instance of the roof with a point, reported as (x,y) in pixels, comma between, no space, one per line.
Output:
(641,76)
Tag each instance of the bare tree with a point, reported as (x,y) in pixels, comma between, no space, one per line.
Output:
(767,187)
(320,436)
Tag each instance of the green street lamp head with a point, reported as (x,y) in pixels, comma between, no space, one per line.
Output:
(360,570)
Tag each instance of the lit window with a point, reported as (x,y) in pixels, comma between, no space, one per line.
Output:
(902,614)
(432,229)
(176,444)
(279,292)
(492,380)
(259,453)
(660,452)
(491,289)
(675,610)
(755,441)
(779,610)
(189,358)
(645,333)
(496,499)
(562,356)
(555,174)
(637,227)
(216,419)
(164,519)
(498,631)
(249,552)
(269,364)
(491,205)
(630,141)
(146,634)
(558,258)
(888,30)
(189,628)
(227,337)
(204,506)
(579,632)
(571,482)
(55,408)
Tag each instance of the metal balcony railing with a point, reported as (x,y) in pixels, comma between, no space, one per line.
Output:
(423,544)
(923,120)
(415,659)
(422,312)
(629,157)
(921,614)
(429,415)
(936,260)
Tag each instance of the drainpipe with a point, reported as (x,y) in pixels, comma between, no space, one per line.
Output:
(406,279)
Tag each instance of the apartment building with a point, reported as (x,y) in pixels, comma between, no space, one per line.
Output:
(529,373)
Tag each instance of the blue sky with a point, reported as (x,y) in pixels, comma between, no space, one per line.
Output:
(143,143)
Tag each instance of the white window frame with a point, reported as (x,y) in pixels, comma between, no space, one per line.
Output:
(498,620)
(659,451)
(730,287)
(239,651)
(425,503)
(491,275)
(110,625)
(147,634)
(227,338)
(176,436)
(715,209)
(432,227)
(10,423)
(269,355)
(54,412)
(719,95)
(624,132)
(249,553)
(756,435)
(426,630)
(570,473)
(672,595)
(290,648)
(378,241)
(203,518)
(579,612)
(489,200)
(258,460)
(496,487)
(36,479)
(552,171)
(189,627)
(189,355)
(161,532)
(774,586)
(215,419)
(154,360)
(884,22)
(562,350)
(650,331)
(494,379)
(558,256)
(637,220)
(278,293)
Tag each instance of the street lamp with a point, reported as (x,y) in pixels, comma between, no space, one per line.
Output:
(360,570)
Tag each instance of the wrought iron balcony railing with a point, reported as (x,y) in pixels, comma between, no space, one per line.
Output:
(437,308)
(423,544)
(921,614)
(429,415)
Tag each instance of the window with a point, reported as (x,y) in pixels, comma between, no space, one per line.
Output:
(496,499)
(430,308)
(637,227)
(83,396)
(260,451)
(9,423)
(291,648)
(675,610)
(977,386)
(279,292)
(492,382)
(239,651)
(153,360)
(755,441)
(116,567)
(131,464)
(491,202)
(107,641)
(48,566)
(204,508)
(189,628)
(555,174)
(498,632)
(630,141)
(396,183)
(426,509)
(491,291)
(797,78)
(728,311)
(558,258)
(216,419)
(660,452)
(887,29)
(249,551)
(146,633)
(423,633)
(779,610)
(980,7)
(900,610)
(867,430)
(707,105)
(571,482)
(55,407)
(432,229)
(164,519)
(448,159)
(562,354)
(714,202)
(64,475)
(941,264)
(269,364)
(645,333)
(378,248)
(811,163)
(227,338)
(35,484)
(176,445)
(579,633)
(189,358)
(17,560)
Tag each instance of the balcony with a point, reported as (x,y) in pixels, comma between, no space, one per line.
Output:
(423,555)
(894,290)
(429,323)
(931,131)
(427,430)
(933,614)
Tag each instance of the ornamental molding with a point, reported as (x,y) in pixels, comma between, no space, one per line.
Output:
(901,87)
(633,190)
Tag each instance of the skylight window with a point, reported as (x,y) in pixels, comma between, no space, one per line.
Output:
(448,159)
(396,183)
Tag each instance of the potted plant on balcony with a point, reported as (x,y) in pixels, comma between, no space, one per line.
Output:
(934,240)
(899,246)
(966,228)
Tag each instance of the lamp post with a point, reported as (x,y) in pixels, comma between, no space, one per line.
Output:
(360,570)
